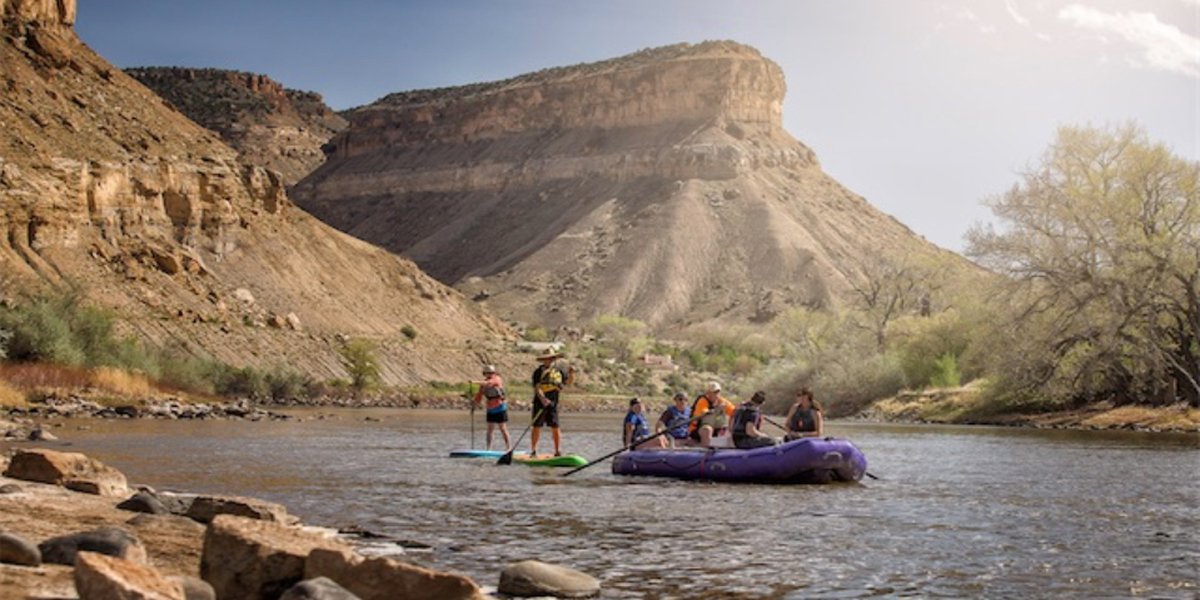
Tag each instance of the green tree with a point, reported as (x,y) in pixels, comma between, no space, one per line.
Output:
(359,360)
(1101,244)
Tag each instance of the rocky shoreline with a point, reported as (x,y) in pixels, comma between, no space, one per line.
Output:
(71,527)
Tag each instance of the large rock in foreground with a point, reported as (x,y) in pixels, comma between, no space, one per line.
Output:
(72,470)
(207,508)
(385,579)
(110,541)
(251,559)
(534,578)
(100,577)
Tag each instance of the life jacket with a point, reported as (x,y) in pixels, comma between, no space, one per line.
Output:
(676,420)
(715,417)
(802,420)
(641,429)
(550,380)
(745,414)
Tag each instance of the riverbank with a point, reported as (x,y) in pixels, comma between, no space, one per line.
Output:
(55,505)
(965,406)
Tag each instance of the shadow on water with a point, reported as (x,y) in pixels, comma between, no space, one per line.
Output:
(959,511)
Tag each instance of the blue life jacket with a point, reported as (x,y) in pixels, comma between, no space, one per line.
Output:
(673,415)
(641,430)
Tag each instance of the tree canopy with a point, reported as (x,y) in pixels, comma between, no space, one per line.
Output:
(1101,244)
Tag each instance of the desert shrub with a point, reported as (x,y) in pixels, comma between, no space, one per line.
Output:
(359,360)
(245,382)
(286,384)
(409,332)
(537,334)
(921,343)
(946,374)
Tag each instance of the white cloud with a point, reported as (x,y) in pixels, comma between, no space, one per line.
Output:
(987,29)
(1163,46)
(1011,7)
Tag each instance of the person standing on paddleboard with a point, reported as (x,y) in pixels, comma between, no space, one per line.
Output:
(548,381)
(492,389)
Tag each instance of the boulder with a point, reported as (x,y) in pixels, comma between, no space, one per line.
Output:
(383,578)
(206,508)
(15,550)
(144,502)
(101,577)
(535,578)
(10,488)
(194,588)
(112,541)
(253,559)
(69,469)
(321,588)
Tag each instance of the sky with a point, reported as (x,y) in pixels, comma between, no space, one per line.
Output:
(923,107)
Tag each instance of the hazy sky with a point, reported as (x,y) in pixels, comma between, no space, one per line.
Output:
(924,107)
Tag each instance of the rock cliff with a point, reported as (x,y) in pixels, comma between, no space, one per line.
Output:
(103,184)
(659,185)
(270,126)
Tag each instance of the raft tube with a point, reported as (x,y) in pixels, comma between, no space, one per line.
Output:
(809,460)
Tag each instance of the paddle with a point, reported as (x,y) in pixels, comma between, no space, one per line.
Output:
(634,445)
(506,459)
(471,400)
(772,421)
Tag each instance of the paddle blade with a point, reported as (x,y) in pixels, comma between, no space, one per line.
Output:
(506,459)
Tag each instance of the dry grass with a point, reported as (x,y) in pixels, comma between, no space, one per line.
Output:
(105,385)
(1178,417)
(122,383)
(11,397)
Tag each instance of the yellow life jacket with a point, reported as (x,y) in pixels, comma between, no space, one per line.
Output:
(551,379)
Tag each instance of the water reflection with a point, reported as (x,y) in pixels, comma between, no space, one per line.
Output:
(958,512)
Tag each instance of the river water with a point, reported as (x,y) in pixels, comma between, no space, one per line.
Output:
(956,511)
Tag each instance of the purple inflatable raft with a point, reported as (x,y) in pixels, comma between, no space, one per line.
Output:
(809,460)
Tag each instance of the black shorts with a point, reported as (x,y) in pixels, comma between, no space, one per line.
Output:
(547,417)
(498,417)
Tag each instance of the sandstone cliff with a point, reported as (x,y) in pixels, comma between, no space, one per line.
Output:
(104,184)
(659,185)
(270,126)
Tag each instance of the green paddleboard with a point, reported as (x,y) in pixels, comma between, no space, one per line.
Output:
(549,460)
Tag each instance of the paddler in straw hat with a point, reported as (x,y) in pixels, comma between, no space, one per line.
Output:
(548,380)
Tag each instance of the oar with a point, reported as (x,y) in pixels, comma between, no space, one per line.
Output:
(772,421)
(506,459)
(633,445)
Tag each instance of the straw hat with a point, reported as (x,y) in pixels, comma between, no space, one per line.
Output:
(549,354)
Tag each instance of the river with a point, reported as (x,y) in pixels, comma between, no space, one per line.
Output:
(956,511)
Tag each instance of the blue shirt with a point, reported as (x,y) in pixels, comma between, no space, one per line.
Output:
(673,415)
(640,428)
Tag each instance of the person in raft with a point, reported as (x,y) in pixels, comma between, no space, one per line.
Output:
(675,418)
(712,412)
(637,429)
(548,381)
(747,424)
(492,389)
(804,417)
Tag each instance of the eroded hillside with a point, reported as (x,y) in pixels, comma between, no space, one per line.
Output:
(270,126)
(103,184)
(659,185)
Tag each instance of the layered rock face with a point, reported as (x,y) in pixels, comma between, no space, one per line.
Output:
(659,185)
(270,126)
(103,184)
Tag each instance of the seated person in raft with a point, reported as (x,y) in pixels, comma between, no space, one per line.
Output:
(712,413)
(637,429)
(675,418)
(804,417)
(747,421)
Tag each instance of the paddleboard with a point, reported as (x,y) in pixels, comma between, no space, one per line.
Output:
(549,460)
(541,460)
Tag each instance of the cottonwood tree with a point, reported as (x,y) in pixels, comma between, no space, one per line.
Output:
(891,288)
(1101,242)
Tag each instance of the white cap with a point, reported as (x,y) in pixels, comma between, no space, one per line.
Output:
(714,386)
